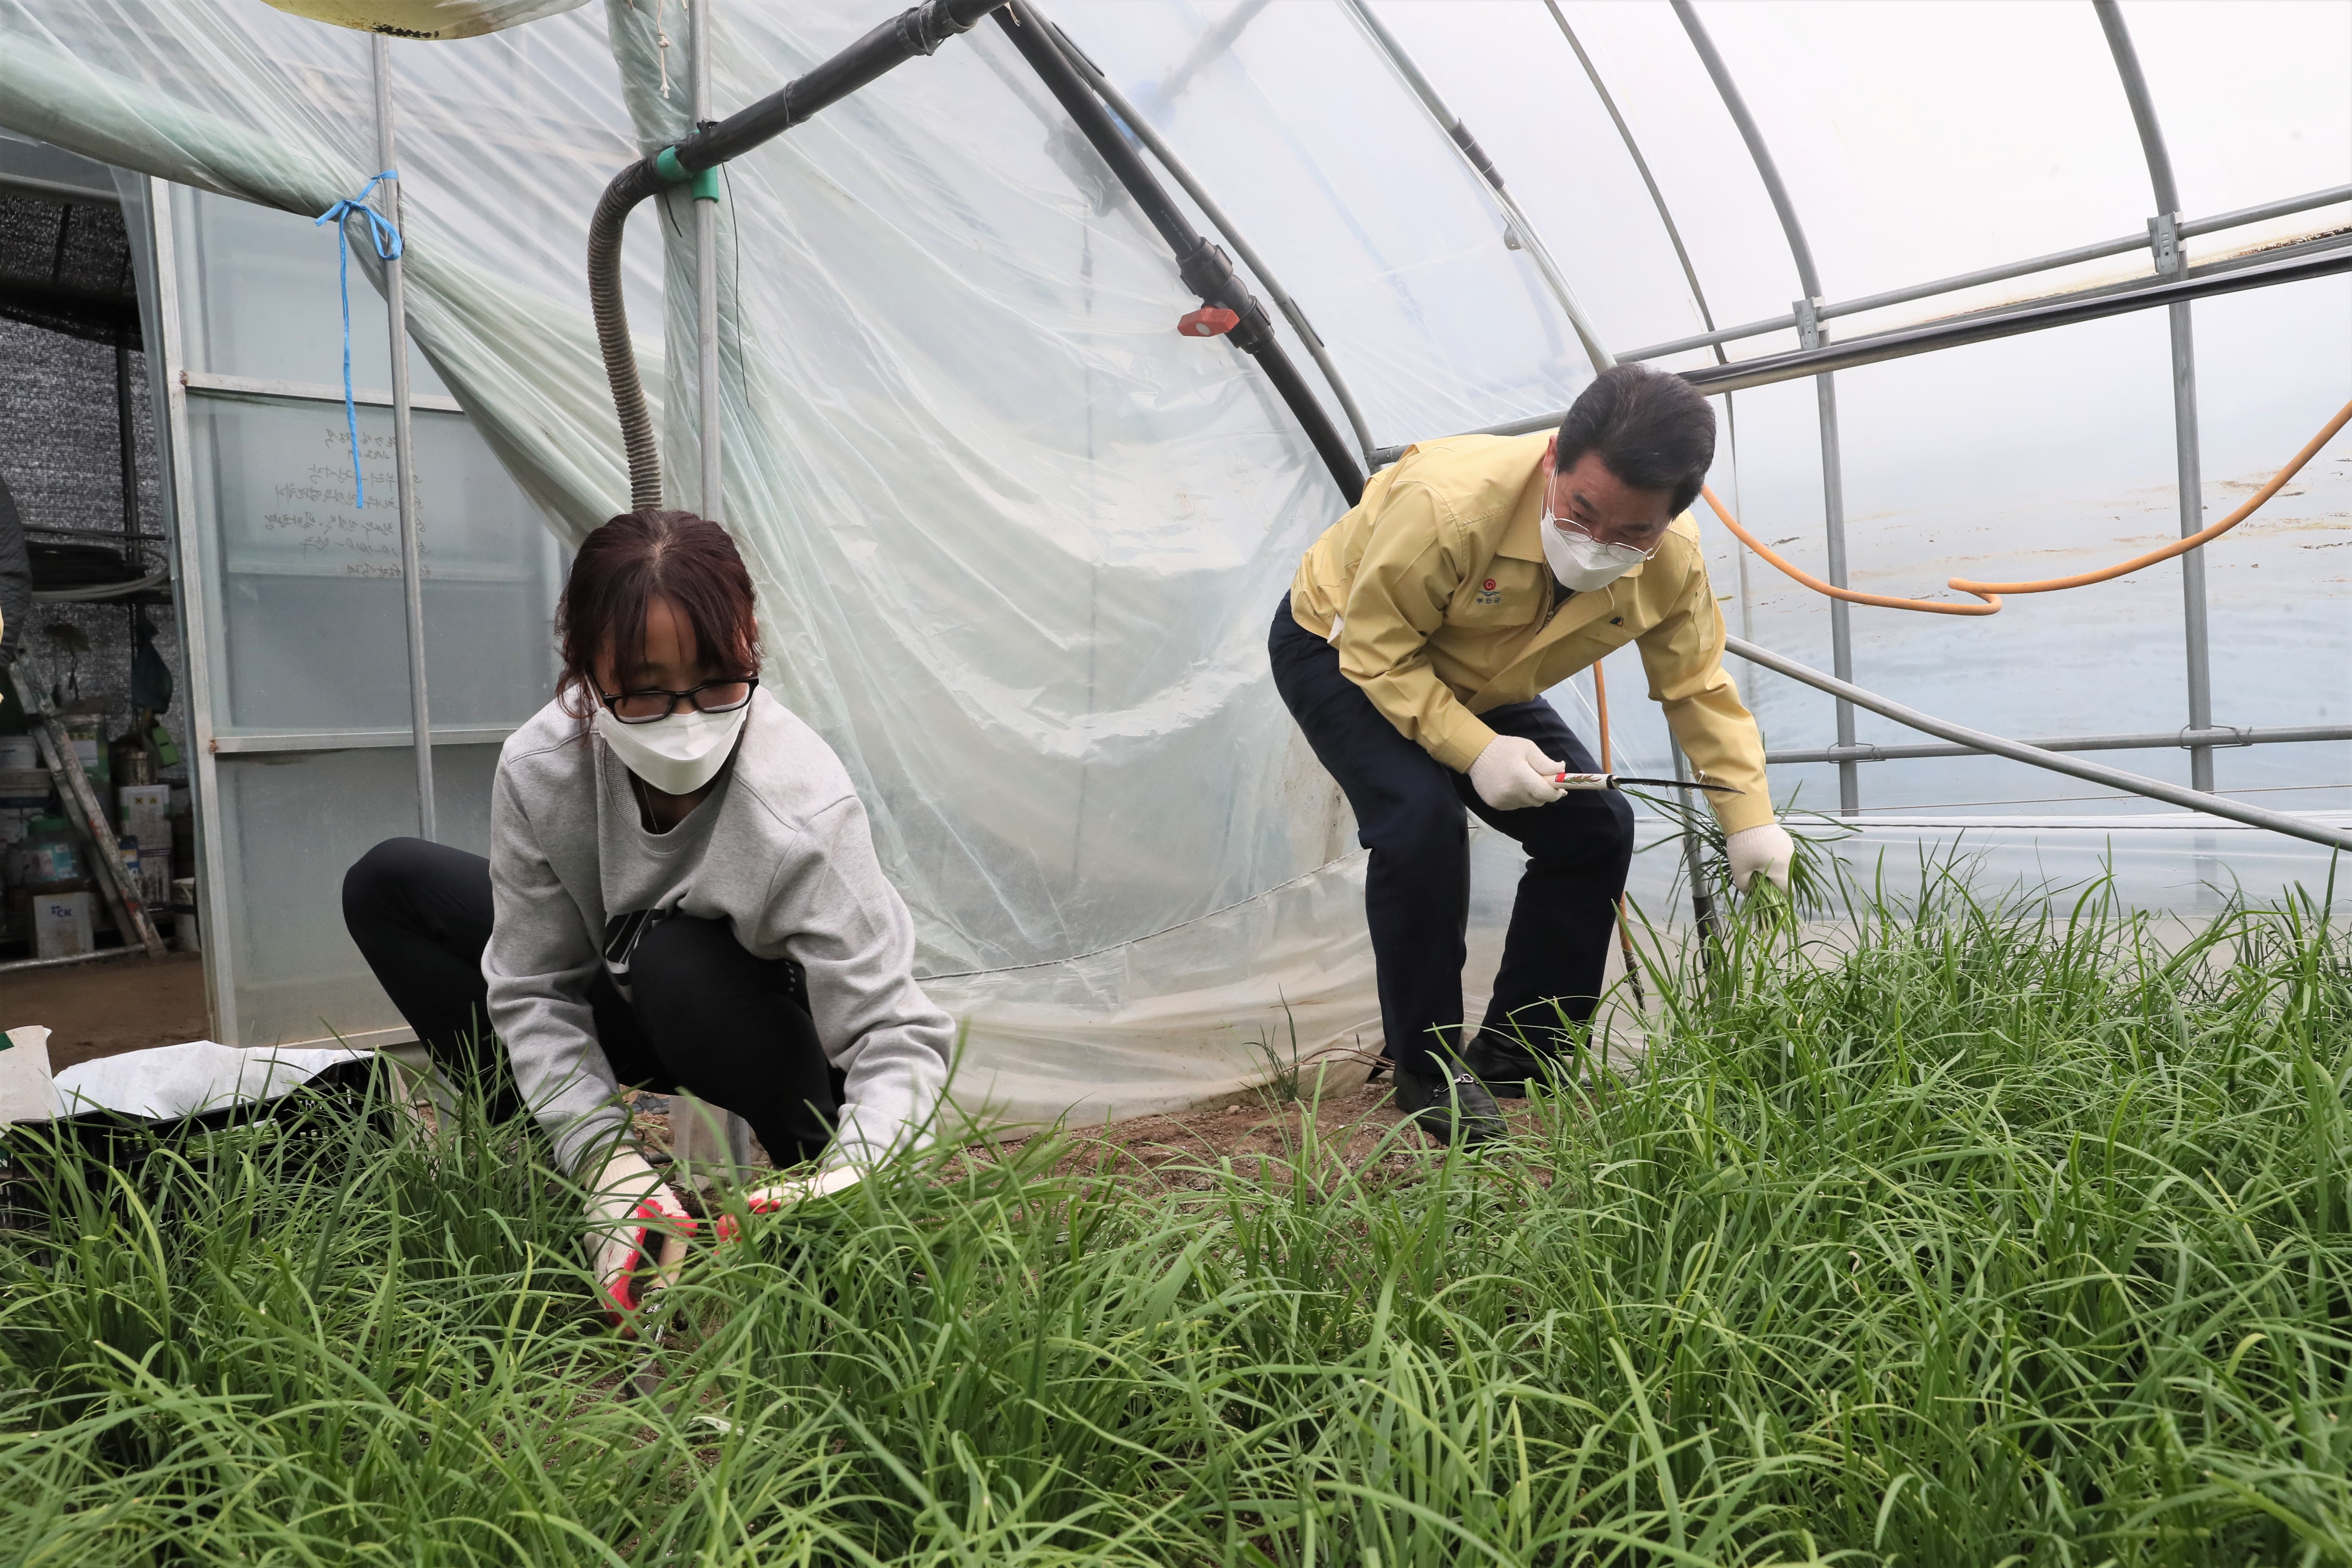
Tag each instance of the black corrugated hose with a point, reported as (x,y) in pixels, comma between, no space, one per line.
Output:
(630,187)
(919,30)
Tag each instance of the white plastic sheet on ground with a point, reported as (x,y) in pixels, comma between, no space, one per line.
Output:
(168,1081)
(1017,542)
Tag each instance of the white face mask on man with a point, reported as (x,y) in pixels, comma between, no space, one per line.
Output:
(676,755)
(1580,562)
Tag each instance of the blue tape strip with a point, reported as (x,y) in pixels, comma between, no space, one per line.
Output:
(382,233)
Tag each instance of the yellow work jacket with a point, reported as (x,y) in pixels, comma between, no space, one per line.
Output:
(1435,592)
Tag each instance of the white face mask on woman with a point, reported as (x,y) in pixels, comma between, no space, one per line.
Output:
(1582,562)
(676,755)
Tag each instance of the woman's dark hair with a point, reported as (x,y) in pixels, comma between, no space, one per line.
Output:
(1651,428)
(622,567)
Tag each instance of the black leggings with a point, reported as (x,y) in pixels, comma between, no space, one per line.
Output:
(709,1019)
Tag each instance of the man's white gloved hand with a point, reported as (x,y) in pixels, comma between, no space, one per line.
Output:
(638,1229)
(1764,848)
(1512,775)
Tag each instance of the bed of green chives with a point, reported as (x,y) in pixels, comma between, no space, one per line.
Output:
(1970,1236)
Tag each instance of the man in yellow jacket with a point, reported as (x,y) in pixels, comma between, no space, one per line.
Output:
(1415,648)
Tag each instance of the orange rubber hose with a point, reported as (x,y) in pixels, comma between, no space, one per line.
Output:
(1831,590)
(2178,546)
(1991,592)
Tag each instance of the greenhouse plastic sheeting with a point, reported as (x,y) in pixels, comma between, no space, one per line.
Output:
(1017,541)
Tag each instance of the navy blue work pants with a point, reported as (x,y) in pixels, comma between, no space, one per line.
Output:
(1409,814)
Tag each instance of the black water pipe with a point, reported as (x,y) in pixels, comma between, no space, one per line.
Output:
(918,31)
(1204,268)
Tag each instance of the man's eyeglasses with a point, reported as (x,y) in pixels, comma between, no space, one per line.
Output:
(1568,525)
(652,706)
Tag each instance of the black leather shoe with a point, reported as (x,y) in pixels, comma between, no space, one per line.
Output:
(1507,1067)
(1449,1105)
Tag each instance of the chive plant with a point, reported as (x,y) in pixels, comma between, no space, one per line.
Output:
(1983,1234)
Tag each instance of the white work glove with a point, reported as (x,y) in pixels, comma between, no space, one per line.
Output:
(1764,848)
(780,1195)
(638,1229)
(1512,775)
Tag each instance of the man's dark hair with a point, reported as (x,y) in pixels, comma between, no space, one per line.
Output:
(1651,428)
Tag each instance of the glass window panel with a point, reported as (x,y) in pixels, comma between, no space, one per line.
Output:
(308,586)
(260,296)
(291,824)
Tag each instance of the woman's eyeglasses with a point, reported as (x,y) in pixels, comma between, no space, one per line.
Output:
(652,706)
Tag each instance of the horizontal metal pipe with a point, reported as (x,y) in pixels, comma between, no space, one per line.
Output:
(2060,311)
(2152,741)
(1779,323)
(109,534)
(2305,202)
(2035,756)
(2002,274)
(265,744)
(2066,311)
(310,391)
(1953,285)
(92,956)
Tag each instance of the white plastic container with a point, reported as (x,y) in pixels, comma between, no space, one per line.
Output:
(61,925)
(147,815)
(20,753)
(27,1091)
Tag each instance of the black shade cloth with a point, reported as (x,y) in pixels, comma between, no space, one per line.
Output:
(16,579)
(66,265)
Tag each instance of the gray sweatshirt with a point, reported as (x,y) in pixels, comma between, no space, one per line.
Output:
(779,848)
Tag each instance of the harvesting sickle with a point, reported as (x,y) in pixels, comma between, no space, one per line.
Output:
(1619,781)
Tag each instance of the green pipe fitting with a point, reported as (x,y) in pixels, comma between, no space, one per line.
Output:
(705,181)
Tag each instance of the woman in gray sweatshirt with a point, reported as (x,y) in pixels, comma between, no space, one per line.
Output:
(681,893)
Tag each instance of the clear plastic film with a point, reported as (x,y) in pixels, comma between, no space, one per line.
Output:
(1018,542)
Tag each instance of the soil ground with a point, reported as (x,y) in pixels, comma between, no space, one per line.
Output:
(1355,1125)
(110,1006)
